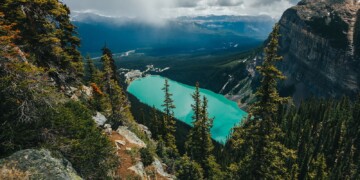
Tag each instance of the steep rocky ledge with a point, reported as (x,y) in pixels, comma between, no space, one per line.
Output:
(320,44)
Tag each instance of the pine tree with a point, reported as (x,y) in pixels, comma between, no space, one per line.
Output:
(192,145)
(90,69)
(266,157)
(155,123)
(106,51)
(199,145)
(186,169)
(268,99)
(46,33)
(168,123)
(120,111)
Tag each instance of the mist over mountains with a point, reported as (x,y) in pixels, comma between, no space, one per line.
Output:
(177,35)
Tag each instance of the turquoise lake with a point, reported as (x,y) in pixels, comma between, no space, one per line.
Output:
(226,113)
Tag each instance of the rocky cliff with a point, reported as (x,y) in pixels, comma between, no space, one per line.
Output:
(320,44)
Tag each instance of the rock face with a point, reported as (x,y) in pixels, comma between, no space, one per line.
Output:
(320,43)
(36,164)
(130,136)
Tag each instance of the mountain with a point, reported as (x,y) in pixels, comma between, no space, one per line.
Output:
(174,36)
(320,45)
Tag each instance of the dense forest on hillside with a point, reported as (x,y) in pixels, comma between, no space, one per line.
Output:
(45,104)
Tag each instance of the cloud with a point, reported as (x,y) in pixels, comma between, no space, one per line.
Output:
(257,3)
(227,2)
(157,11)
(187,3)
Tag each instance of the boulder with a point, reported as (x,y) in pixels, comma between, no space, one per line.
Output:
(139,169)
(36,164)
(130,136)
(160,170)
(100,119)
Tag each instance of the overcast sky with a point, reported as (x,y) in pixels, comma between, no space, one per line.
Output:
(154,11)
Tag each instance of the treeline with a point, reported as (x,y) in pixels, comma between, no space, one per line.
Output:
(323,137)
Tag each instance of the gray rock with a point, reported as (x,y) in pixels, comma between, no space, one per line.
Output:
(99,119)
(108,129)
(130,136)
(145,130)
(37,164)
(139,169)
(160,170)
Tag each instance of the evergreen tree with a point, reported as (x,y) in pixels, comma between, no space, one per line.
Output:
(91,70)
(186,169)
(155,123)
(199,145)
(266,157)
(8,50)
(46,33)
(120,111)
(106,51)
(168,123)
(192,145)
(268,99)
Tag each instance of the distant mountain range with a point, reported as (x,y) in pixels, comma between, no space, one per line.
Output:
(175,36)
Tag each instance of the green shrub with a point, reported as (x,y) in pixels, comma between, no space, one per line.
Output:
(74,134)
(146,156)
(187,169)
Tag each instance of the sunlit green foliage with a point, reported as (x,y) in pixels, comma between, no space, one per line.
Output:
(46,33)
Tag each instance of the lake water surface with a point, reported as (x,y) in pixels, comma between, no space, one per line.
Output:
(226,112)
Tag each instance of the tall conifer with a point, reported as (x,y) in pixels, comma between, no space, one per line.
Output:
(199,145)
(168,120)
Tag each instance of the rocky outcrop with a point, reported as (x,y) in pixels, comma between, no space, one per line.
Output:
(36,164)
(319,42)
(160,169)
(130,136)
(139,169)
